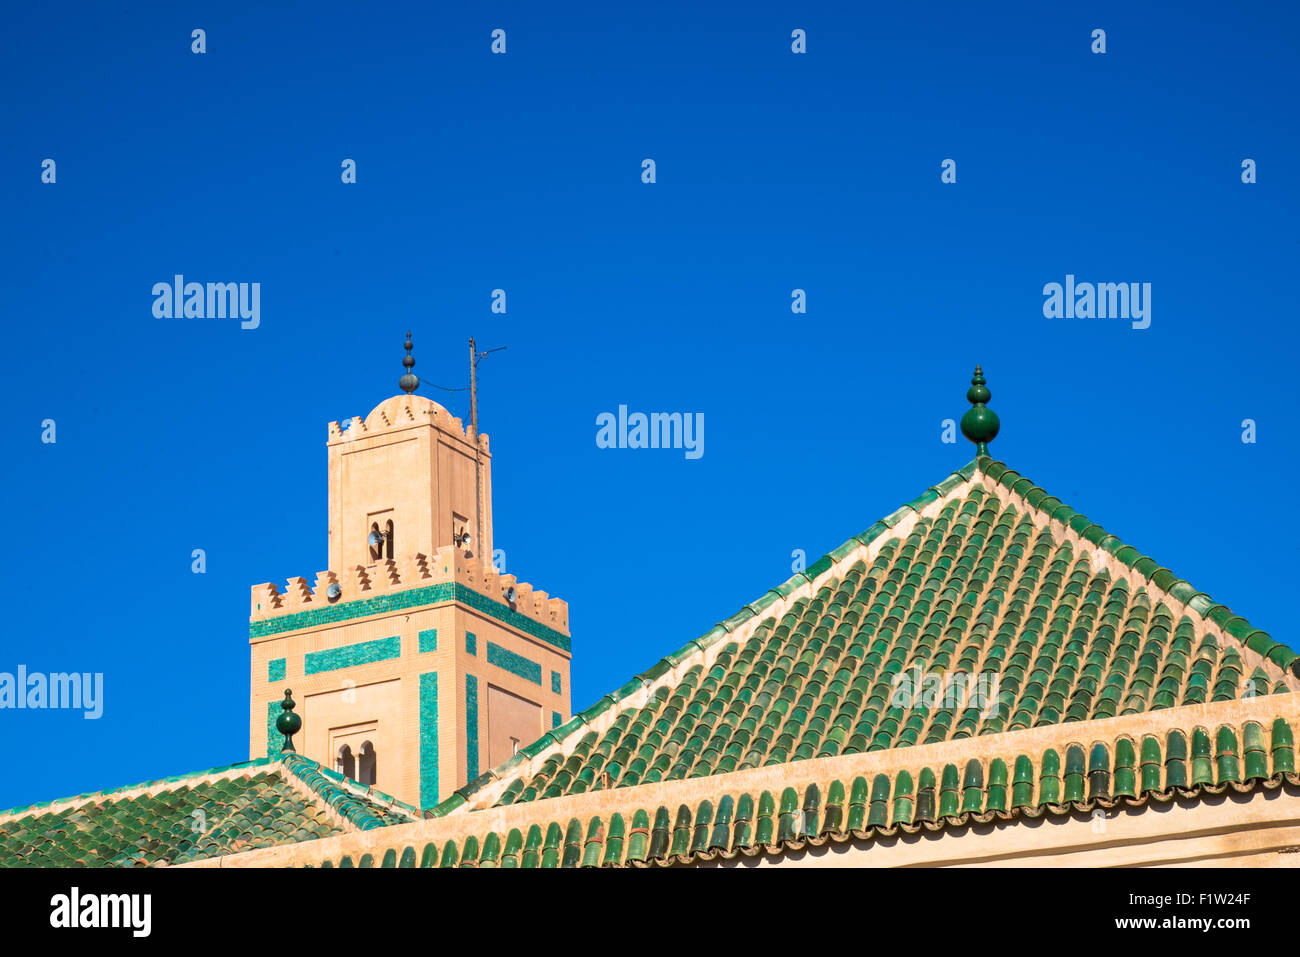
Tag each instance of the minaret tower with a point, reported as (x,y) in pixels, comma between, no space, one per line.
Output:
(418,664)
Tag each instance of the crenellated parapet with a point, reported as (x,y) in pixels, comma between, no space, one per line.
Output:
(402,412)
(448,566)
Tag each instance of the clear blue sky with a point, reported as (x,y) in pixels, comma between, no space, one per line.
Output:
(775,171)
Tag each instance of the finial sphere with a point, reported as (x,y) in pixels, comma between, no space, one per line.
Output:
(980,423)
(409,382)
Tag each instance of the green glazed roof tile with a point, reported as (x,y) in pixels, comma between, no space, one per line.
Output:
(168,824)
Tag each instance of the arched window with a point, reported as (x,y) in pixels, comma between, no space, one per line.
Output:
(388,539)
(376,542)
(366,764)
(344,762)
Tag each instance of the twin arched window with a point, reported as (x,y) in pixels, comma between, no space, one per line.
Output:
(344,763)
(361,767)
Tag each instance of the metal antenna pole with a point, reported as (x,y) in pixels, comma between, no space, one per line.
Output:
(474,357)
(478,459)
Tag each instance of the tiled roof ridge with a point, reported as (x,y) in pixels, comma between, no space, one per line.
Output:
(1190,761)
(1086,808)
(1258,645)
(351,803)
(697,651)
(128,791)
(1262,713)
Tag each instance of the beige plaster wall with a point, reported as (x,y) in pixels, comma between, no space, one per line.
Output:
(412,459)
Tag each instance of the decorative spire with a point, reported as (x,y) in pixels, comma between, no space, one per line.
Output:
(410,381)
(288,723)
(980,423)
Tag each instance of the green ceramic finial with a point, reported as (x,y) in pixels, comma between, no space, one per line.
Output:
(288,723)
(980,423)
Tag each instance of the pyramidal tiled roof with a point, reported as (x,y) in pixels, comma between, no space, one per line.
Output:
(985,574)
(190,817)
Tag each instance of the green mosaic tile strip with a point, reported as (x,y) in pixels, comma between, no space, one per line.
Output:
(349,656)
(428,640)
(275,670)
(410,598)
(556,686)
(516,620)
(428,739)
(471,643)
(471,726)
(514,663)
(555,719)
(274,739)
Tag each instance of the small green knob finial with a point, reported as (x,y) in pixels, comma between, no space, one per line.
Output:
(288,723)
(410,381)
(980,423)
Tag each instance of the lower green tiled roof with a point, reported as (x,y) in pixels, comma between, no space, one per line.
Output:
(243,807)
(1182,764)
(1058,628)
(172,825)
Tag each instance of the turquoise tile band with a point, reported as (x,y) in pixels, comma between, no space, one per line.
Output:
(274,739)
(428,739)
(471,727)
(514,663)
(411,598)
(428,640)
(349,656)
